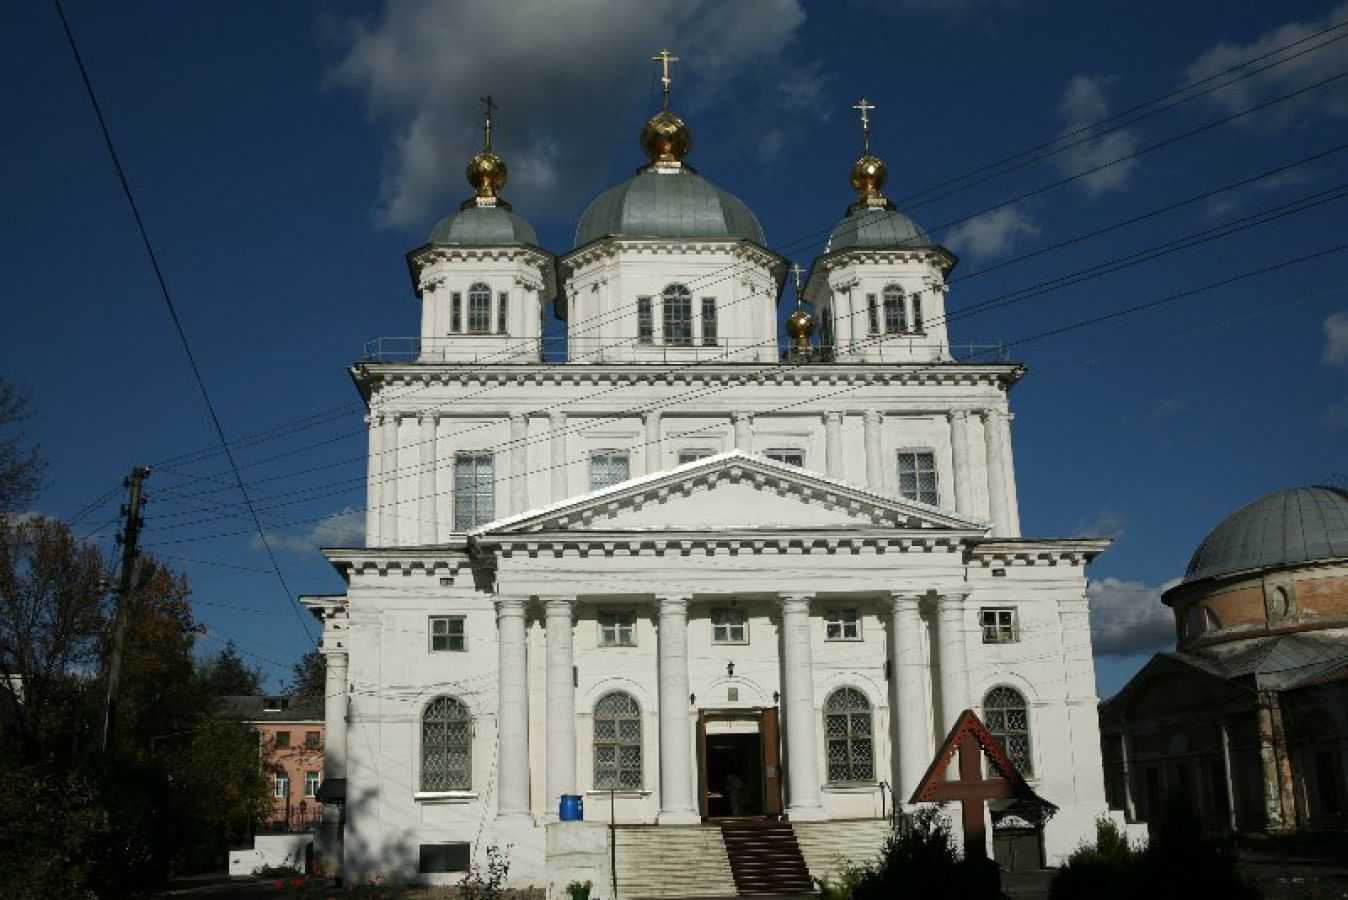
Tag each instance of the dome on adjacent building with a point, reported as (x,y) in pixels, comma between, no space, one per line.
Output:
(1285,528)
(668,204)
(483,226)
(876,227)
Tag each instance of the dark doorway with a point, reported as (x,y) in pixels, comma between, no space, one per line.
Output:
(734,775)
(1018,849)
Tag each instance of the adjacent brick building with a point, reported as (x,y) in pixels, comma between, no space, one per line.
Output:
(290,734)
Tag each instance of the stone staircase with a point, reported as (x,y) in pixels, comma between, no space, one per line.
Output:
(828,846)
(765,859)
(668,861)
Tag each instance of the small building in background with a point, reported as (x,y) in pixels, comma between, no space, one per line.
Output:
(1248,718)
(290,734)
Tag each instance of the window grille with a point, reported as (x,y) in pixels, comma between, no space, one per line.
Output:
(872,315)
(1007,717)
(894,323)
(999,625)
(918,324)
(617,629)
(474,489)
(847,729)
(502,310)
(447,634)
(789,455)
(677,303)
(608,467)
(446,746)
(479,309)
(617,743)
(728,626)
(455,312)
(645,321)
(917,476)
(709,321)
(842,625)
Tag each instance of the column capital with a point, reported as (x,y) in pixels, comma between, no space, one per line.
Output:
(673,602)
(905,600)
(991,414)
(557,418)
(427,416)
(796,603)
(651,414)
(952,598)
(873,416)
(557,603)
(833,415)
(954,415)
(519,417)
(513,607)
(740,415)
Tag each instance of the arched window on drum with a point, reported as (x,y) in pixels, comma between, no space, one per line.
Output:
(446,746)
(847,730)
(1007,716)
(617,742)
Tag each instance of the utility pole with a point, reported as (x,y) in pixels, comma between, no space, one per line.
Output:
(129,539)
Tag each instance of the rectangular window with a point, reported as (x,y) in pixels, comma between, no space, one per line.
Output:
(281,786)
(728,626)
(693,454)
(842,625)
(474,489)
(790,456)
(617,629)
(455,312)
(917,313)
(999,625)
(479,311)
(502,307)
(447,634)
(709,321)
(893,312)
(311,784)
(917,476)
(436,858)
(872,315)
(645,321)
(282,740)
(608,467)
(678,312)
(312,739)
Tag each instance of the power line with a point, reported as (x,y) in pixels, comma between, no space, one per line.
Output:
(172,309)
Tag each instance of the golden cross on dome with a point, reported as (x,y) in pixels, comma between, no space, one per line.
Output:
(664,58)
(797,271)
(865,106)
(488,105)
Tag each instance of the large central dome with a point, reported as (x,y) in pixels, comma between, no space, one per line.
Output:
(1288,527)
(677,204)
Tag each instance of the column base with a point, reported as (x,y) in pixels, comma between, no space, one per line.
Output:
(677,817)
(806,814)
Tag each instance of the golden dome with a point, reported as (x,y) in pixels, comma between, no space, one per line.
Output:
(487,174)
(666,139)
(868,176)
(800,326)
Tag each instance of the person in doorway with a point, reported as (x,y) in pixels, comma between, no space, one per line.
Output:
(734,794)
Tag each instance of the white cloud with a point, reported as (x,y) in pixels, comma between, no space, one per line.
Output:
(1106,524)
(573,83)
(1128,617)
(344,528)
(1306,68)
(991,234)
(1083,104)
(1336,339)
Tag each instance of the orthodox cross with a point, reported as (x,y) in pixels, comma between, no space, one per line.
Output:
(487,106)
(664,58)
(865,106)
(971,739)
(796,270)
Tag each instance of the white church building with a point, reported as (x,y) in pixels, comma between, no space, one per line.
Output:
(679,572)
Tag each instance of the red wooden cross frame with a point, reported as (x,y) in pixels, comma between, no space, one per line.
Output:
(971,738)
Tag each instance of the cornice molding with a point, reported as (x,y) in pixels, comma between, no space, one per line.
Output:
(613,248)
(804,542)
(1028,552)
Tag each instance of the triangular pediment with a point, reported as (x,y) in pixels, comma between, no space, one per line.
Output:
(731,491)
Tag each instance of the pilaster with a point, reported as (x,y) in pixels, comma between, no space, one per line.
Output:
(744,437)
(873,421)
(388,491)
(833,447)
(519,463)
(654,457)
(557,442)
(427,494)
(994,435)
(561,700)
(959,452)
(374,424)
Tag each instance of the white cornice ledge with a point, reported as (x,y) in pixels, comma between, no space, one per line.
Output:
(436,562)
(805,542)
(1031,552)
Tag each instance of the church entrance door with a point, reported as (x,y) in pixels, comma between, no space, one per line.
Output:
(739,771)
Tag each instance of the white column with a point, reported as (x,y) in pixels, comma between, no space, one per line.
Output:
(519,463)
(329,841)
(372,480)
(951,634)
(676,757)
(561,699)
(846,327)
(426,489)
(1008,458)
(995,440)
(388,493)
(654,457)
(875,472)
(912,718)
(512,715)
(557,422)
(744,436)
(802,754)
(833,448)
(959,452)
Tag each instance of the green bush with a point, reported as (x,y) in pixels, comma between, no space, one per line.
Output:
(922,861)
(46,822)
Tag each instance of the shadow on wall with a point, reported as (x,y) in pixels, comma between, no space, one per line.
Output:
(392,860)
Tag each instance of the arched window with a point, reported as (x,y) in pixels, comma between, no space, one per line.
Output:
(479,309)
(678,312)
(1008,719)
(847,728)
(894,318)
(446,746)
(617,742)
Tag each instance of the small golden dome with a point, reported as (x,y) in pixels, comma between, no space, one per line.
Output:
(666,139)
(487,174)
(868,176)
(800,326)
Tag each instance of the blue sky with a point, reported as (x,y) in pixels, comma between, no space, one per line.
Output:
(285,157)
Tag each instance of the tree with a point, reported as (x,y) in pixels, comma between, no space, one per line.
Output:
(226,674)
(308,680)
(20,468)
(53,618)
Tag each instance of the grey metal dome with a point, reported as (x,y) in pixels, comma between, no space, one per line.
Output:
(668,205)
(483,226)
(1284,528)
(876,228)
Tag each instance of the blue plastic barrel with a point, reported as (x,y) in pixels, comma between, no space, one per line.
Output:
(572,808)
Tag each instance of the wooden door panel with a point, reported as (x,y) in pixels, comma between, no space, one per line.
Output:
(772,761)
